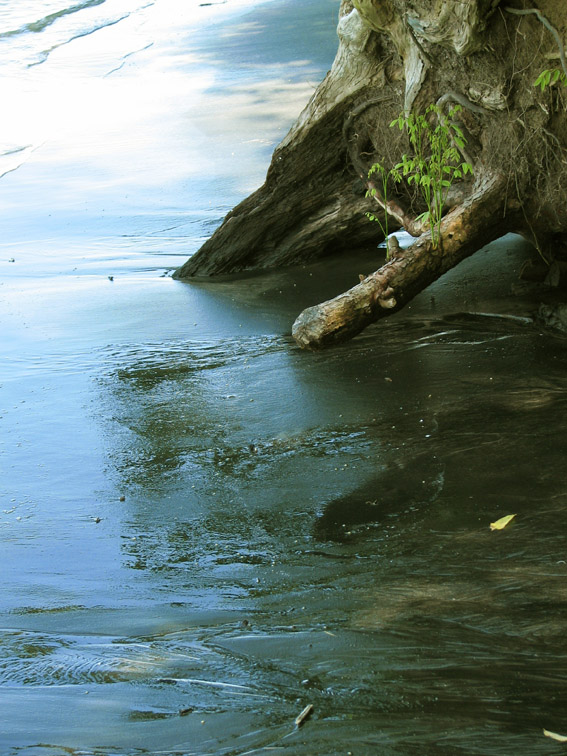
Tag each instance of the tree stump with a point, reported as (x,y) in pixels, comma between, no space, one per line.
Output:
(397,56)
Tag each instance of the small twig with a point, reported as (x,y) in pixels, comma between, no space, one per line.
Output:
(352,153)
(411,225)
(548,26)
(304,716)
(360,109)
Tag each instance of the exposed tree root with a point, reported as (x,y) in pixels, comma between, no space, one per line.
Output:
(464,230)
(540,17)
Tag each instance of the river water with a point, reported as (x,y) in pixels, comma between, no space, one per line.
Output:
(203,530)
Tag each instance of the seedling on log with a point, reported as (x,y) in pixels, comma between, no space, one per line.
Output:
(435,163)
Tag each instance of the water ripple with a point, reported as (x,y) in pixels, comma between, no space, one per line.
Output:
(39,659)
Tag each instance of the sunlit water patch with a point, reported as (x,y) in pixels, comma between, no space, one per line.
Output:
(127,156)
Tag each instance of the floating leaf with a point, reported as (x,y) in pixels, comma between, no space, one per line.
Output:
(555,736)
(502,522)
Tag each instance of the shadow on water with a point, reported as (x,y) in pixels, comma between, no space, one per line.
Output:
(399,490)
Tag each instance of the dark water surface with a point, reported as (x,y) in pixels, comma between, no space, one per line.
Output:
(204,529)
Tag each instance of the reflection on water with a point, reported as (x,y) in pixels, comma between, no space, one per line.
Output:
(128,118)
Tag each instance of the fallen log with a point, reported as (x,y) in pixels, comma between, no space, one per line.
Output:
(467,228)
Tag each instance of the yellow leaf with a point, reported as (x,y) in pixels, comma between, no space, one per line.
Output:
(502,522)
(555,736)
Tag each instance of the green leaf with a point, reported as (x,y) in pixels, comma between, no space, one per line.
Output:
(543,79)
(376,168)
(399,121)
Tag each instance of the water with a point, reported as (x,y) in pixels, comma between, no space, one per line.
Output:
(204,529)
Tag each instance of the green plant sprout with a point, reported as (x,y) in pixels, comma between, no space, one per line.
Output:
(384,175)
(433,166)
(549,77)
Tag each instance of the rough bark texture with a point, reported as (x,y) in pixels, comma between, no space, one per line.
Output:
(311,204)
(465,229)
(399,56)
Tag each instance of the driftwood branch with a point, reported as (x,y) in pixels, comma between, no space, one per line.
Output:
(464,230)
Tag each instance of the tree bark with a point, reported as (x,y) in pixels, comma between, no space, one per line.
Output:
(311,204)
(399,56)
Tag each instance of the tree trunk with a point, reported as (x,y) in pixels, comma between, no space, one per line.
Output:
(398,56)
